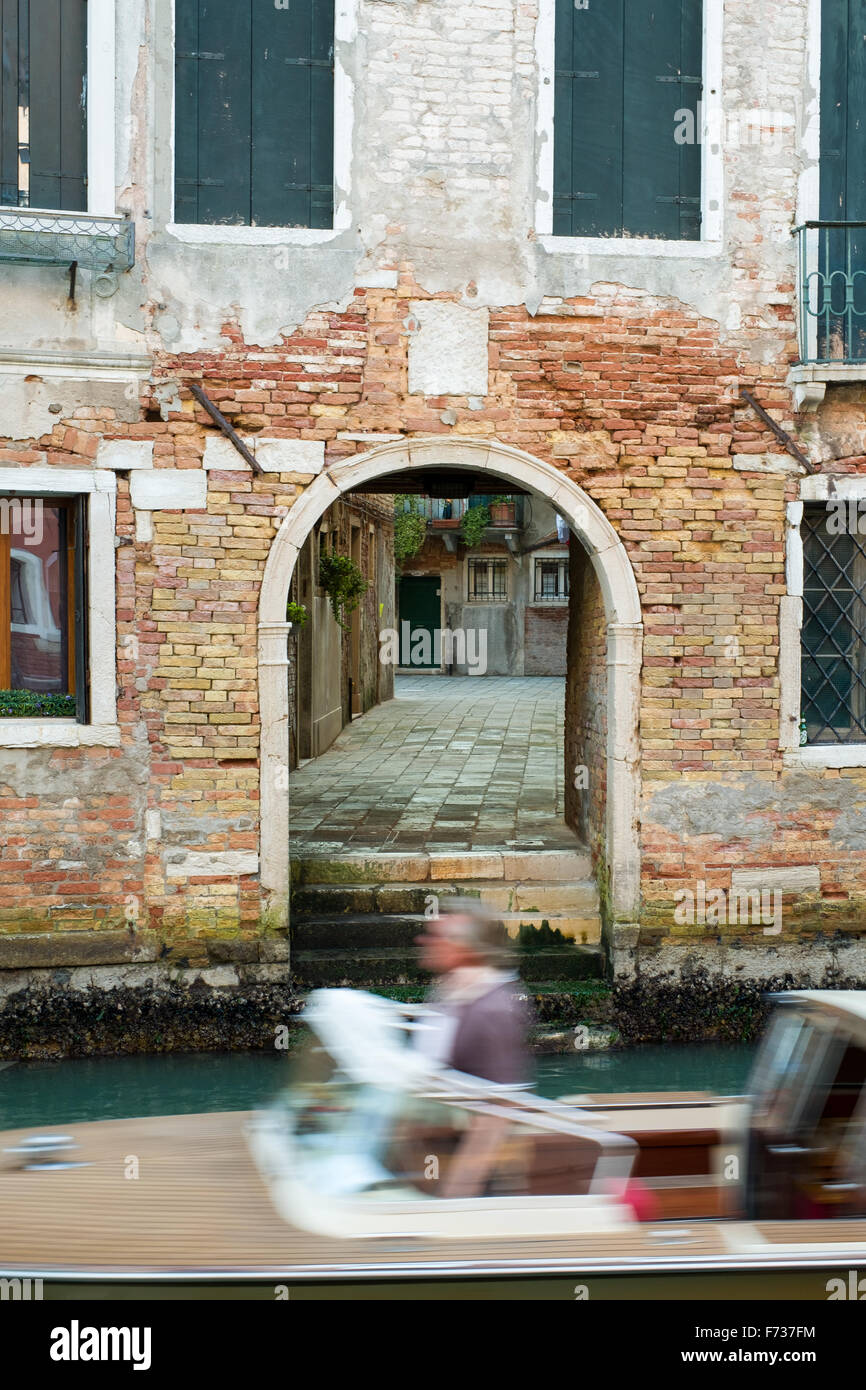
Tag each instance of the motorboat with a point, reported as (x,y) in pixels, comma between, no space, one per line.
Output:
(376,1173)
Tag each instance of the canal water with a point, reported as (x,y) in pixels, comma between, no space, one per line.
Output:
(108,1088)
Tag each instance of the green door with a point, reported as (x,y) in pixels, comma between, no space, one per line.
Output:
(842,251)
(418,624)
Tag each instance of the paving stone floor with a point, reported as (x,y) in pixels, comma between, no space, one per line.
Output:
(449,763)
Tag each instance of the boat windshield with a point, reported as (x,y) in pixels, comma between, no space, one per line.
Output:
(351,1137)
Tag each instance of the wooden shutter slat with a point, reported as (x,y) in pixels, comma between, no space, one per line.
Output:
(588,136)
(691,93)
(281,115)
(9,103)
(322,114)
(212,111)
(186,112)
(224,131)
(660,79)
(58,59)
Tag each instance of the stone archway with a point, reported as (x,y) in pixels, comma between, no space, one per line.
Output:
(624,645)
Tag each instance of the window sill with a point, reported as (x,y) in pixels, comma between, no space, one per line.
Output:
(57,733)
(199,234)
(628,246)
(809,380)
(827,755)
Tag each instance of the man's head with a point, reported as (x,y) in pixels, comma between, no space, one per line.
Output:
(464,933)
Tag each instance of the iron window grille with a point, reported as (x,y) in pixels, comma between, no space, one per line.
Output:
(833,704)
(832,291)
(101,244)
(551,581)
(488,581)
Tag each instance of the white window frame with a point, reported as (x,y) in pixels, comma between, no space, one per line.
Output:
(100,63)
(812,489)
(203,233)
(561,600)
(712,160)
(100,485)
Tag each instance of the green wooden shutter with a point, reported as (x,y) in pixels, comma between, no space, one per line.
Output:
(842,183)
(213,110)
(254,112)
(588,119)
(843,115)
(44,65)
(293,152)
(9,104)
(623,70)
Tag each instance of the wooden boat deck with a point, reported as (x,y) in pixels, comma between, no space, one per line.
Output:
(199,1206)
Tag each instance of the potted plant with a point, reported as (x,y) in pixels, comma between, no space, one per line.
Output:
(502,510)
(296,614)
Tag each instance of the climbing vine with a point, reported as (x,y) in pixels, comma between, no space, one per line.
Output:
(473,524)
(343,582)
(410,528)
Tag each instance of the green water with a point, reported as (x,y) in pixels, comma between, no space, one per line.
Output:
(108,1088)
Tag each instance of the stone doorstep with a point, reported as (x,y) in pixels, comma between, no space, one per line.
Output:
(544,898)
(79,949)
(543,866)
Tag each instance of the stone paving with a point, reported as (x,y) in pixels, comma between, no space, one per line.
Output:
(457,763)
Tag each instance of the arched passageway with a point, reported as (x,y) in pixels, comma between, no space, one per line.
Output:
(619,596)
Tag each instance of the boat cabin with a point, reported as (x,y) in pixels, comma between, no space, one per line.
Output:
(806,1151)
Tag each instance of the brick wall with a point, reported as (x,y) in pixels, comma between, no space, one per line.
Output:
(545,630)
(638,403)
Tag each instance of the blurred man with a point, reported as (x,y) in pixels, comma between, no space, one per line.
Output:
(479,1023)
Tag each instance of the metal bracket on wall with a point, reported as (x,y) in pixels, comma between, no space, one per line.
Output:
(228,430)
(782,435)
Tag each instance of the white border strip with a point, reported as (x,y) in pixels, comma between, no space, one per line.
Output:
(816,488)
(101,195)
(101,485)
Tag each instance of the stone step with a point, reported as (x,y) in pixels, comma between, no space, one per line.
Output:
(312,932)
(578,898)
(324,969)
(513,866)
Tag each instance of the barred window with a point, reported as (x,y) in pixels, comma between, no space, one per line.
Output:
(551,581)
(834,625)
(488,581)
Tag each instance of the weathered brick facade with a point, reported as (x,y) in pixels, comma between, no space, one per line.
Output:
(622,371)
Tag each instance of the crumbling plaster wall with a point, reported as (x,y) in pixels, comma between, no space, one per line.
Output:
(440,101)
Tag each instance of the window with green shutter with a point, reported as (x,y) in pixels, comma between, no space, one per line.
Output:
(626,70)
(43,131)
(254,112)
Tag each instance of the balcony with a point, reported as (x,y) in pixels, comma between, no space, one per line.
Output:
(29,236)
(831,293)
(444,514)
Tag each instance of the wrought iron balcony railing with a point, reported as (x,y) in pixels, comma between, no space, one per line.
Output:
(832,292)
(30,236)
